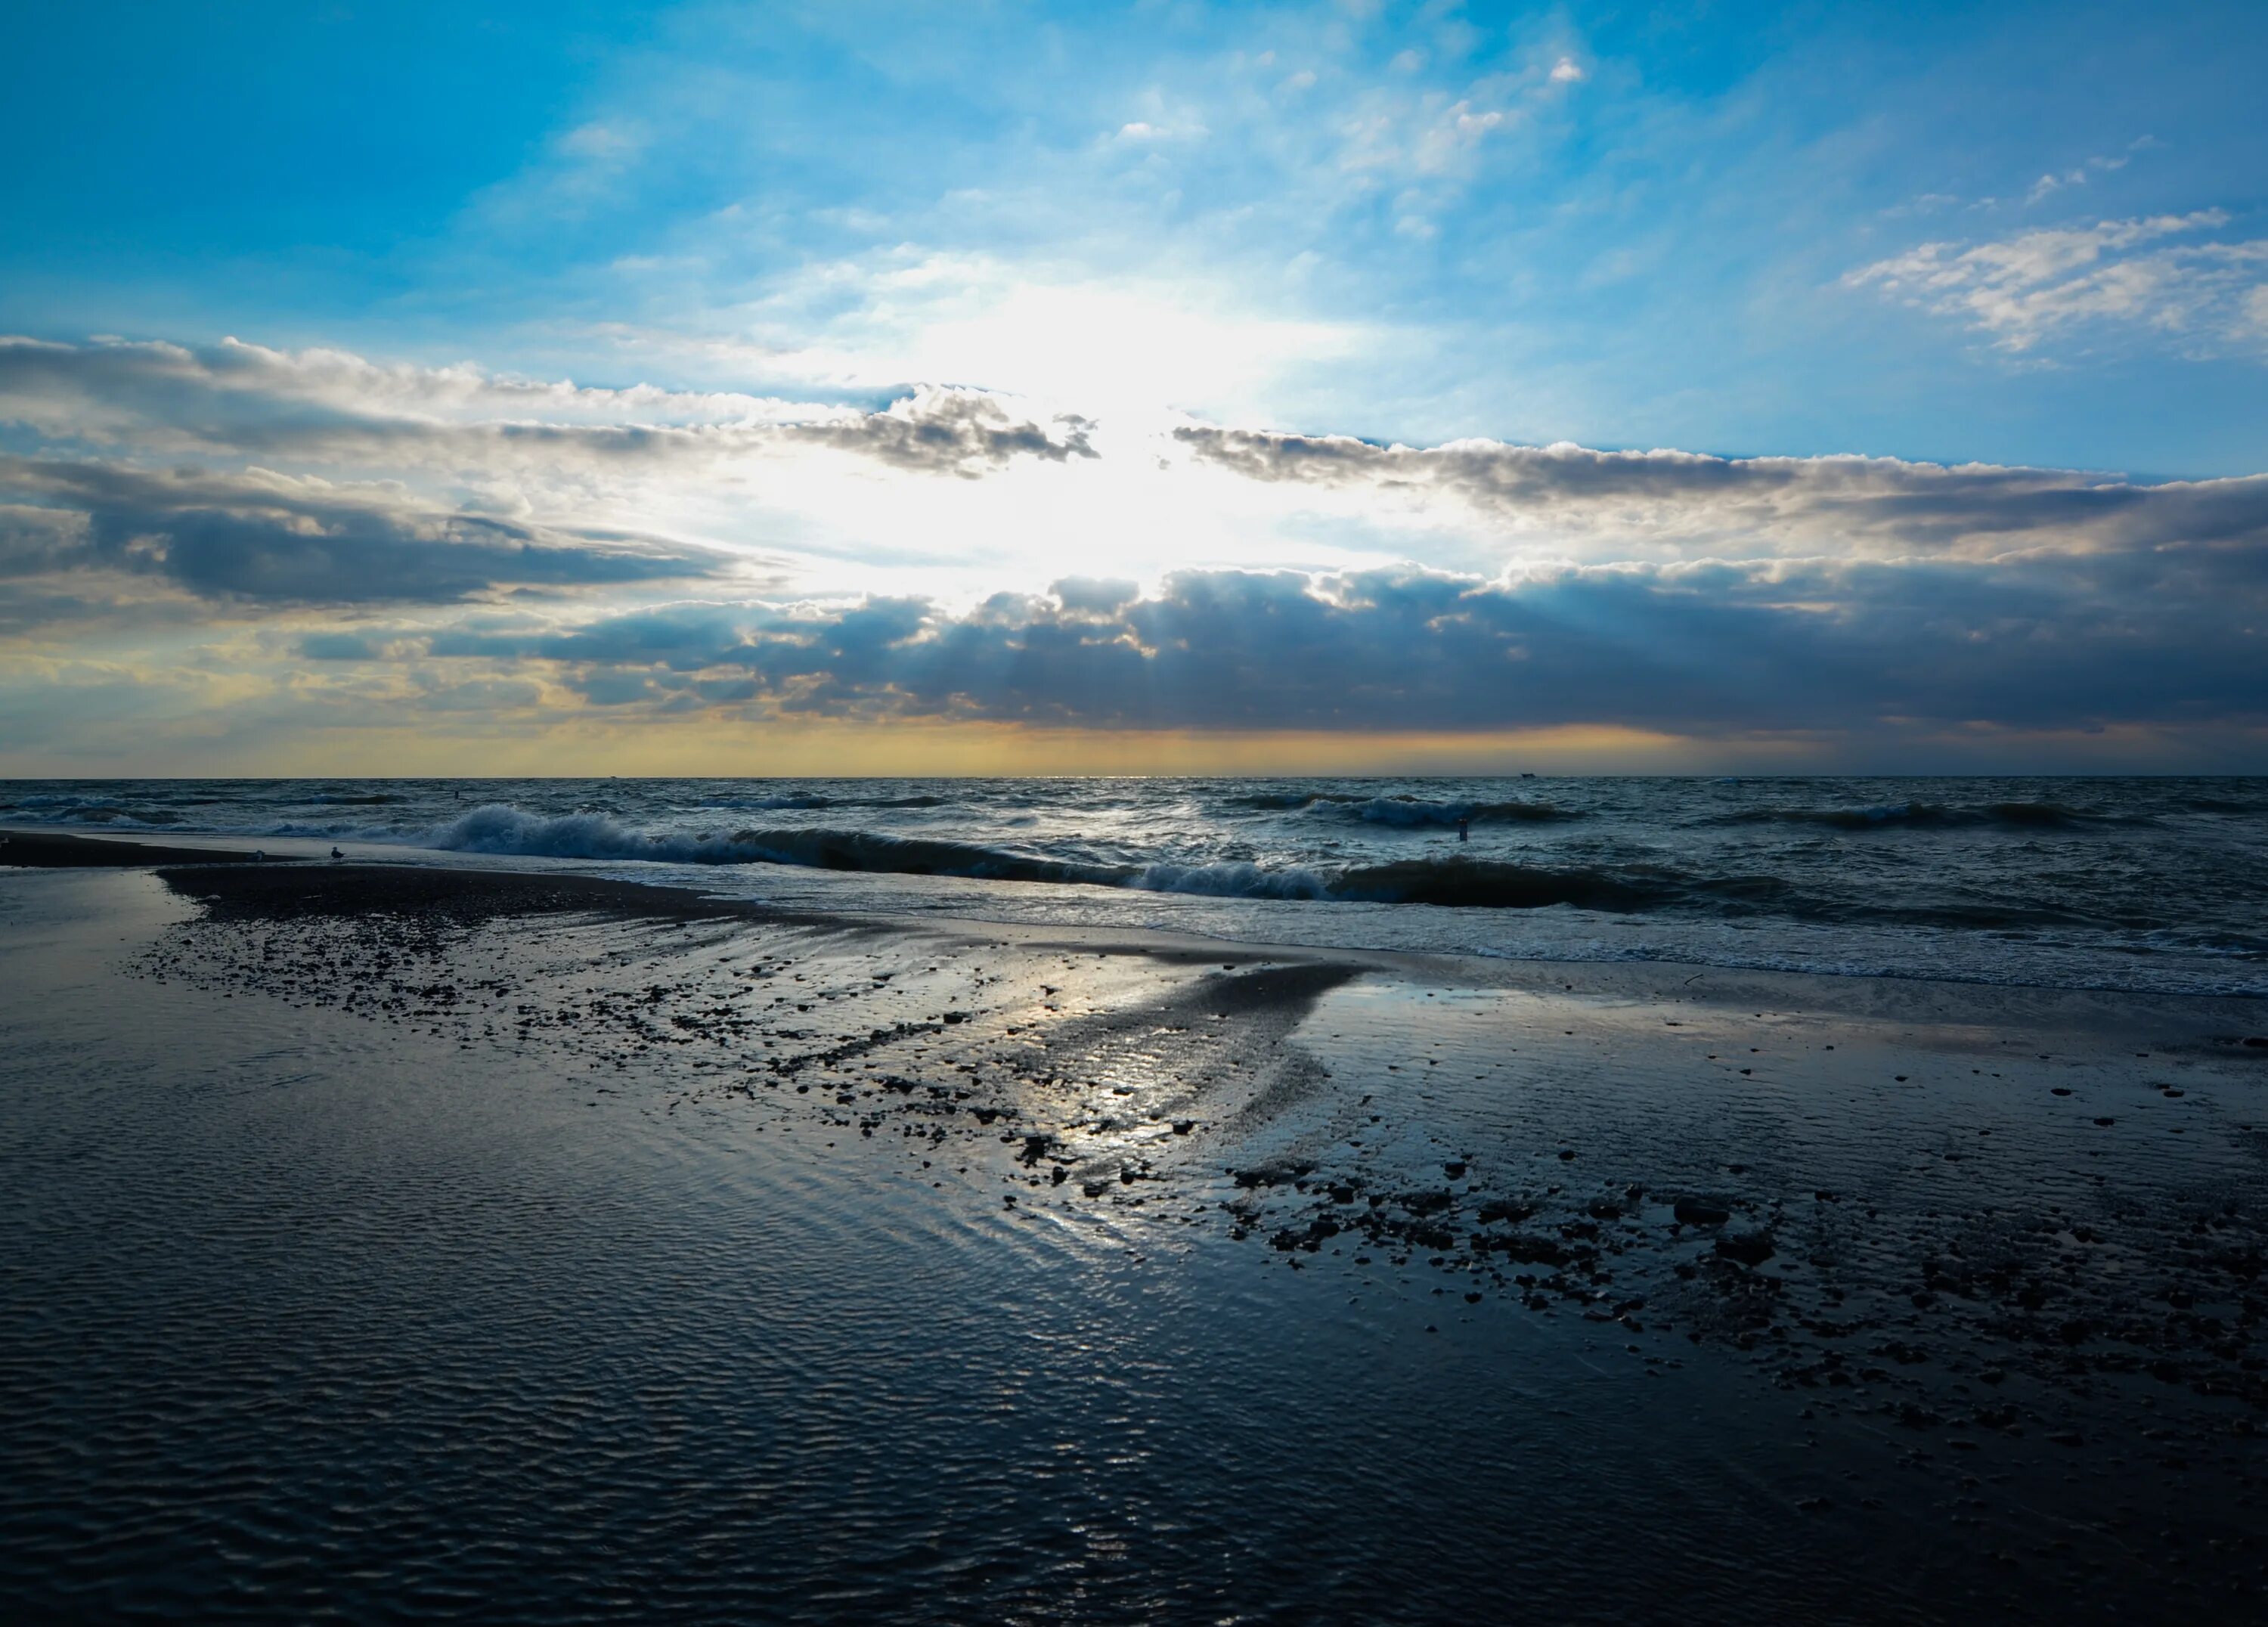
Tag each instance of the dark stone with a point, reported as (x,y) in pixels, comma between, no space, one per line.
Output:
(1748,1248)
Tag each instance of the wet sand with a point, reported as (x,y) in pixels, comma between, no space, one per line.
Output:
(1981,1266)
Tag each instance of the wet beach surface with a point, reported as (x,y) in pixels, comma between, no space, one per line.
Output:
(390,1242)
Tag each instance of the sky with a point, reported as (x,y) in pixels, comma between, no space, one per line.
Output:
(1356,386)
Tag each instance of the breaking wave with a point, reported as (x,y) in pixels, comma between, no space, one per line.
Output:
(2153,882)
(501,828)
(1455,883)
(1459,881)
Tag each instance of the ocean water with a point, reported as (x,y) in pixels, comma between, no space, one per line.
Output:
(2146,884)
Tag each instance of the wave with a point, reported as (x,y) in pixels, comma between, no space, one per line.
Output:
(1456,882)
(57,811)
(501,828)
(1459,881)
(1921,815)
(1410,812)
(1462,883)
(1402,810)
(1234,880)
(811,800)
(1292,801)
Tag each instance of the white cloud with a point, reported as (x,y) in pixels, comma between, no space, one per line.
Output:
(2256,312)
(2023,290)
(602,141)
(1566,70)
(2081,173)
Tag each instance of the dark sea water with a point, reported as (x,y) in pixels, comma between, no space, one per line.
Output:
(2138,883)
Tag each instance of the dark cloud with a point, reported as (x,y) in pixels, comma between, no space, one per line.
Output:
(34,541)
(1767,647)
(339,646)
(265,537)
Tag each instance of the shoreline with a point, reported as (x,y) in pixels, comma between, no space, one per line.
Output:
(1870,992)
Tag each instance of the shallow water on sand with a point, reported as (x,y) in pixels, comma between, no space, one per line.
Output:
(310,1313)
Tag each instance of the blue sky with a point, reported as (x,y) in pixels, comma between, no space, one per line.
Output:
(876,316)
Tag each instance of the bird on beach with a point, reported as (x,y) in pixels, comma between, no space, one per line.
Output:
(336,854)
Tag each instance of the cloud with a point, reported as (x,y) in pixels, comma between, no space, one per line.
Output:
(262,536)
(1658,590)
(263,476)
(2026,288)
(1810,646)
(2079,174)
(1851,504)
(965,433)
(333,406)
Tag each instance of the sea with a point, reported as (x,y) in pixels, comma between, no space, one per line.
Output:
(2154,884)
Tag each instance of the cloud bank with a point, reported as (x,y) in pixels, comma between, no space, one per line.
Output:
(1802,646)
(274,538)
(1851,504)
(357,540)
(331,406)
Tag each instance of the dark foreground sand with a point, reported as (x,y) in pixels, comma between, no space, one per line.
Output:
(1989,1261)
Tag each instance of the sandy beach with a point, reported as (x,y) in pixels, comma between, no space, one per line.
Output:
(1851,1296)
